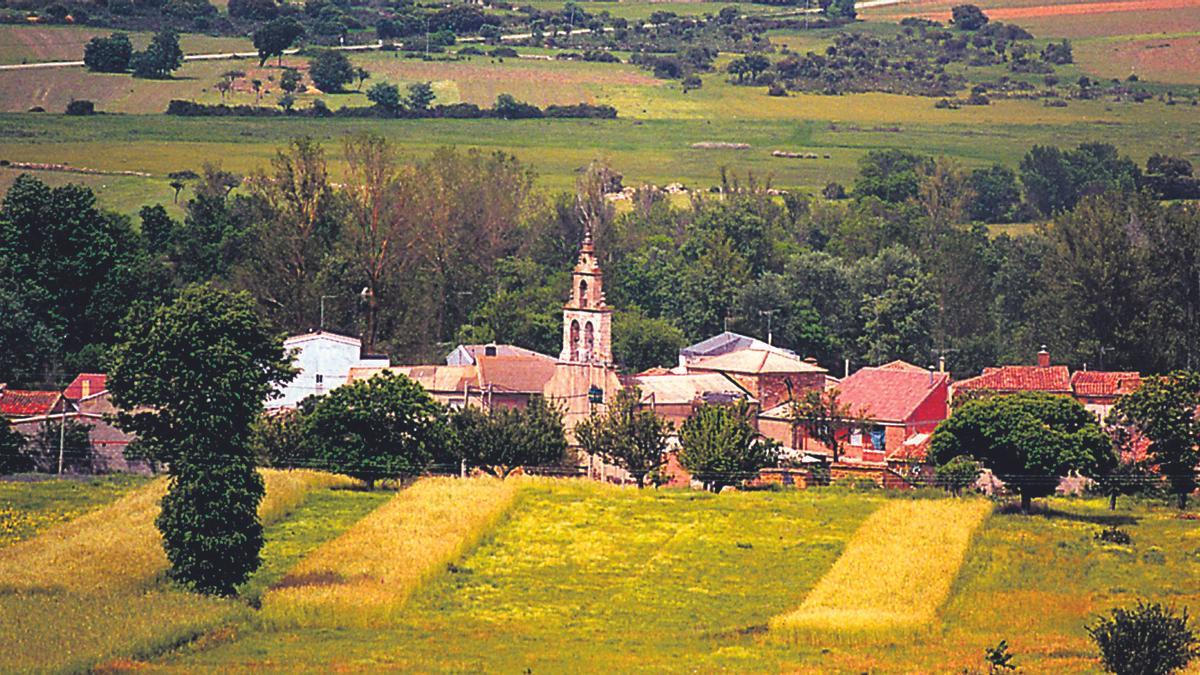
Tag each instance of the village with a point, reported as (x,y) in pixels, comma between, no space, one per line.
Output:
(892,408)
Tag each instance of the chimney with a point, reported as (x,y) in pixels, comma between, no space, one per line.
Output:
(85,388)
(1043,358)
(489,350)
(941,364)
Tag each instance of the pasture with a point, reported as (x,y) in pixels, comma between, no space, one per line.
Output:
(569,575)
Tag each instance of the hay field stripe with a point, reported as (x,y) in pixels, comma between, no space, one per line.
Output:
(365,576)
(895,573)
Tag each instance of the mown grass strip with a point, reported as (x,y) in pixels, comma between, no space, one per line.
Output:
(895,573)
(363,577)
(92,589)
(28,507)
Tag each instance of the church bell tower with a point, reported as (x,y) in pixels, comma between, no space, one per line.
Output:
(587,320)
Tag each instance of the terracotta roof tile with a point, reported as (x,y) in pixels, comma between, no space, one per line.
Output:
(889,394)
(518,373)
(1055,379)
(673,389)
(1105,383)
(27,403)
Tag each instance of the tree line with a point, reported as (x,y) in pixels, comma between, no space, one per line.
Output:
(417,254)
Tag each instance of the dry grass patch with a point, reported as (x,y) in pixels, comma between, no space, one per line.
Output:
(92,589)
(118,547)
(364,576)
(895,573)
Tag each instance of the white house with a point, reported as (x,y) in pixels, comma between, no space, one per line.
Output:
(324,360)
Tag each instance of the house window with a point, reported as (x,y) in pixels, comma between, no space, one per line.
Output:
(589,339)
(856,437)
(583,296)
(320,379)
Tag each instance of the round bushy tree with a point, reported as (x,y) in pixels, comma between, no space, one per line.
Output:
(330,71)
(108,54)
(1163,412)
(197,371)
(1028,440)
(720,447)
(505,439)
(384,427)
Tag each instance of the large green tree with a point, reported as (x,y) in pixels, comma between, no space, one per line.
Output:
(71,271)
(1028,440)
(627,435)
(1163,412)
(720,447)
(197,371)
(161,58)
(384,427)
(502,440)
(276,36)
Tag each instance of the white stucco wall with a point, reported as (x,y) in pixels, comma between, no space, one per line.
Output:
(324,361)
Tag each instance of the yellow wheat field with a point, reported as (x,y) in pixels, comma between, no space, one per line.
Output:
(89,590)
(895,573)
(364,576)
(118,547)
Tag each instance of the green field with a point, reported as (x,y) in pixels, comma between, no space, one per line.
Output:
(26,509)
(652,142)
(580,576)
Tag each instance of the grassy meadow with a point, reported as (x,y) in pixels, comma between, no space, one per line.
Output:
(914,550)
(27,509)
(365,576)
(93,589)
(559,575)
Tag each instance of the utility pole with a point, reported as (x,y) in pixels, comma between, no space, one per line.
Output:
(62,434)
(321,325)
(769,313)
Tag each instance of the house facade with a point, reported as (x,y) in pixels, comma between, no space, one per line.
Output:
(324,361)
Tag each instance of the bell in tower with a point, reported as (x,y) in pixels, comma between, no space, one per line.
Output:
(587,320)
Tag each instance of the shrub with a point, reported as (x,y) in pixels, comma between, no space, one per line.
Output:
(1148,639)
(504,52)
(81,107)
(968,17)
(1114,535)
(777,89)
(958,474)
(834,191)
(12,460)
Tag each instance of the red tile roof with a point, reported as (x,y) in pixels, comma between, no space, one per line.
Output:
(27,403)
(889,394)
(1054,379)
(518,373)
(95,383)
(1105,384)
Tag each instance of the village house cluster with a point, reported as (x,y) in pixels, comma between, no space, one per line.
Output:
(895,406)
